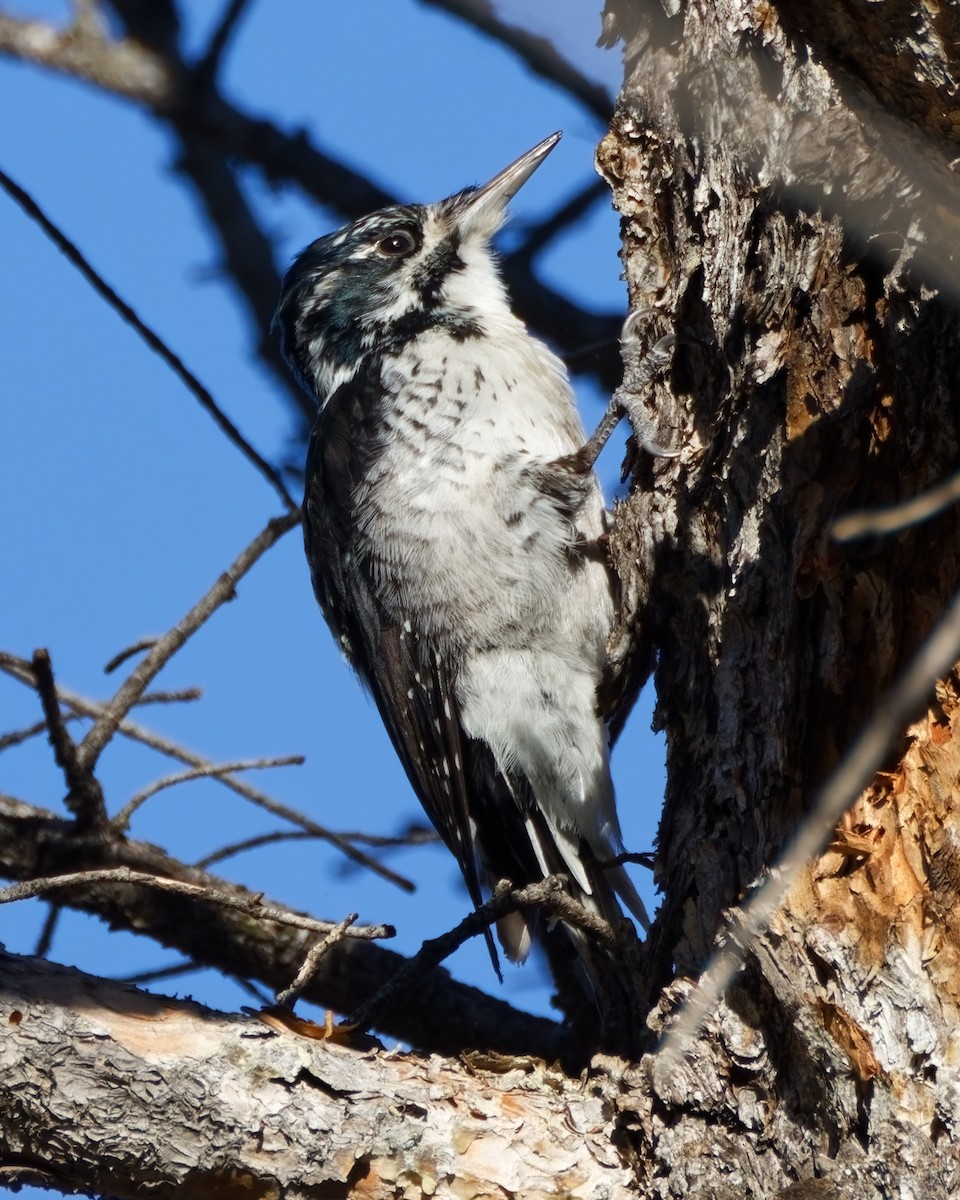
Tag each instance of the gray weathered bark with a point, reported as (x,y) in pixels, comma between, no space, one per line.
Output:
(794,223)
(107,1089)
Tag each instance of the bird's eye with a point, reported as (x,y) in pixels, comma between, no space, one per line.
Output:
(397,244)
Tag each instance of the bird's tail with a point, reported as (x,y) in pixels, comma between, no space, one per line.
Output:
(599,886)
(598,978)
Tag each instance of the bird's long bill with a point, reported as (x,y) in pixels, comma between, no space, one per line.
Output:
(483,207)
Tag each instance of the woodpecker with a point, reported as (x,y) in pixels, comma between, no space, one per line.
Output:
(452,535)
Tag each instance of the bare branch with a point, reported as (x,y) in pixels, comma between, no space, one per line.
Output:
(289,996)
(861,762)
(51,921)
(209,64)
(548,894)
(122,655)
(251,905)
(136,683)
(542,234)
(898,516)
(537,53)
(123,66)
(16,736)
(343,841)
(179,696)
(642,858)
(20,669)
(253,843)
(121,822)
(416,835)
(337,839)
(444,1015)
(84,795)
(185,968)
(171,972)
(247,253)
(152,339)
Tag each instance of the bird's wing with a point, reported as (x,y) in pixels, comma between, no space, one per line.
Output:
(412,683)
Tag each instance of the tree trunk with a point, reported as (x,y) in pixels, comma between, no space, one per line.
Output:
(793,223)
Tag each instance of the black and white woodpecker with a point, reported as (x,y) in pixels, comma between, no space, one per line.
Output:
(453,539)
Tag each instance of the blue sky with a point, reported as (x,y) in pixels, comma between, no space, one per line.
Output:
(121,501)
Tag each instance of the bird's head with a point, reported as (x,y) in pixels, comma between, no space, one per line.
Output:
(370,287)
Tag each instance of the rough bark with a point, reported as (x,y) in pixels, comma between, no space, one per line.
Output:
(445,1015)
(116,1091)
(794,223)
(787,218)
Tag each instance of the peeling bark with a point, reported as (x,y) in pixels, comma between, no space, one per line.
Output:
(792,217)
(788,220)
(444,1015)
(121,1092)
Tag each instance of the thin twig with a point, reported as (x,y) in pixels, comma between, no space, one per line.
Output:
(641,858)
(16,736)
(358,859)
(298,818)
(171,972)
(548,894)
(540,236)
(152,339)
(858,766)
(179,696)
(418,835)
(45,940)
(290,995)
(253,843)
(206,69)
(253,906)
(121,822)
(19,669)
(141,978)
(898,516)
(540,55)
(84,795)
(121,657)
(136,682)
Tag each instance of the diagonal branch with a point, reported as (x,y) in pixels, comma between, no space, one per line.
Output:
(140,70)
(231,16)
(137,681)
(443,1016)
(311,964)
(538,53)
(540,236)
(21,670)
(84,796)
(247,254)
(152,339)
(548,894)
(877,521)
